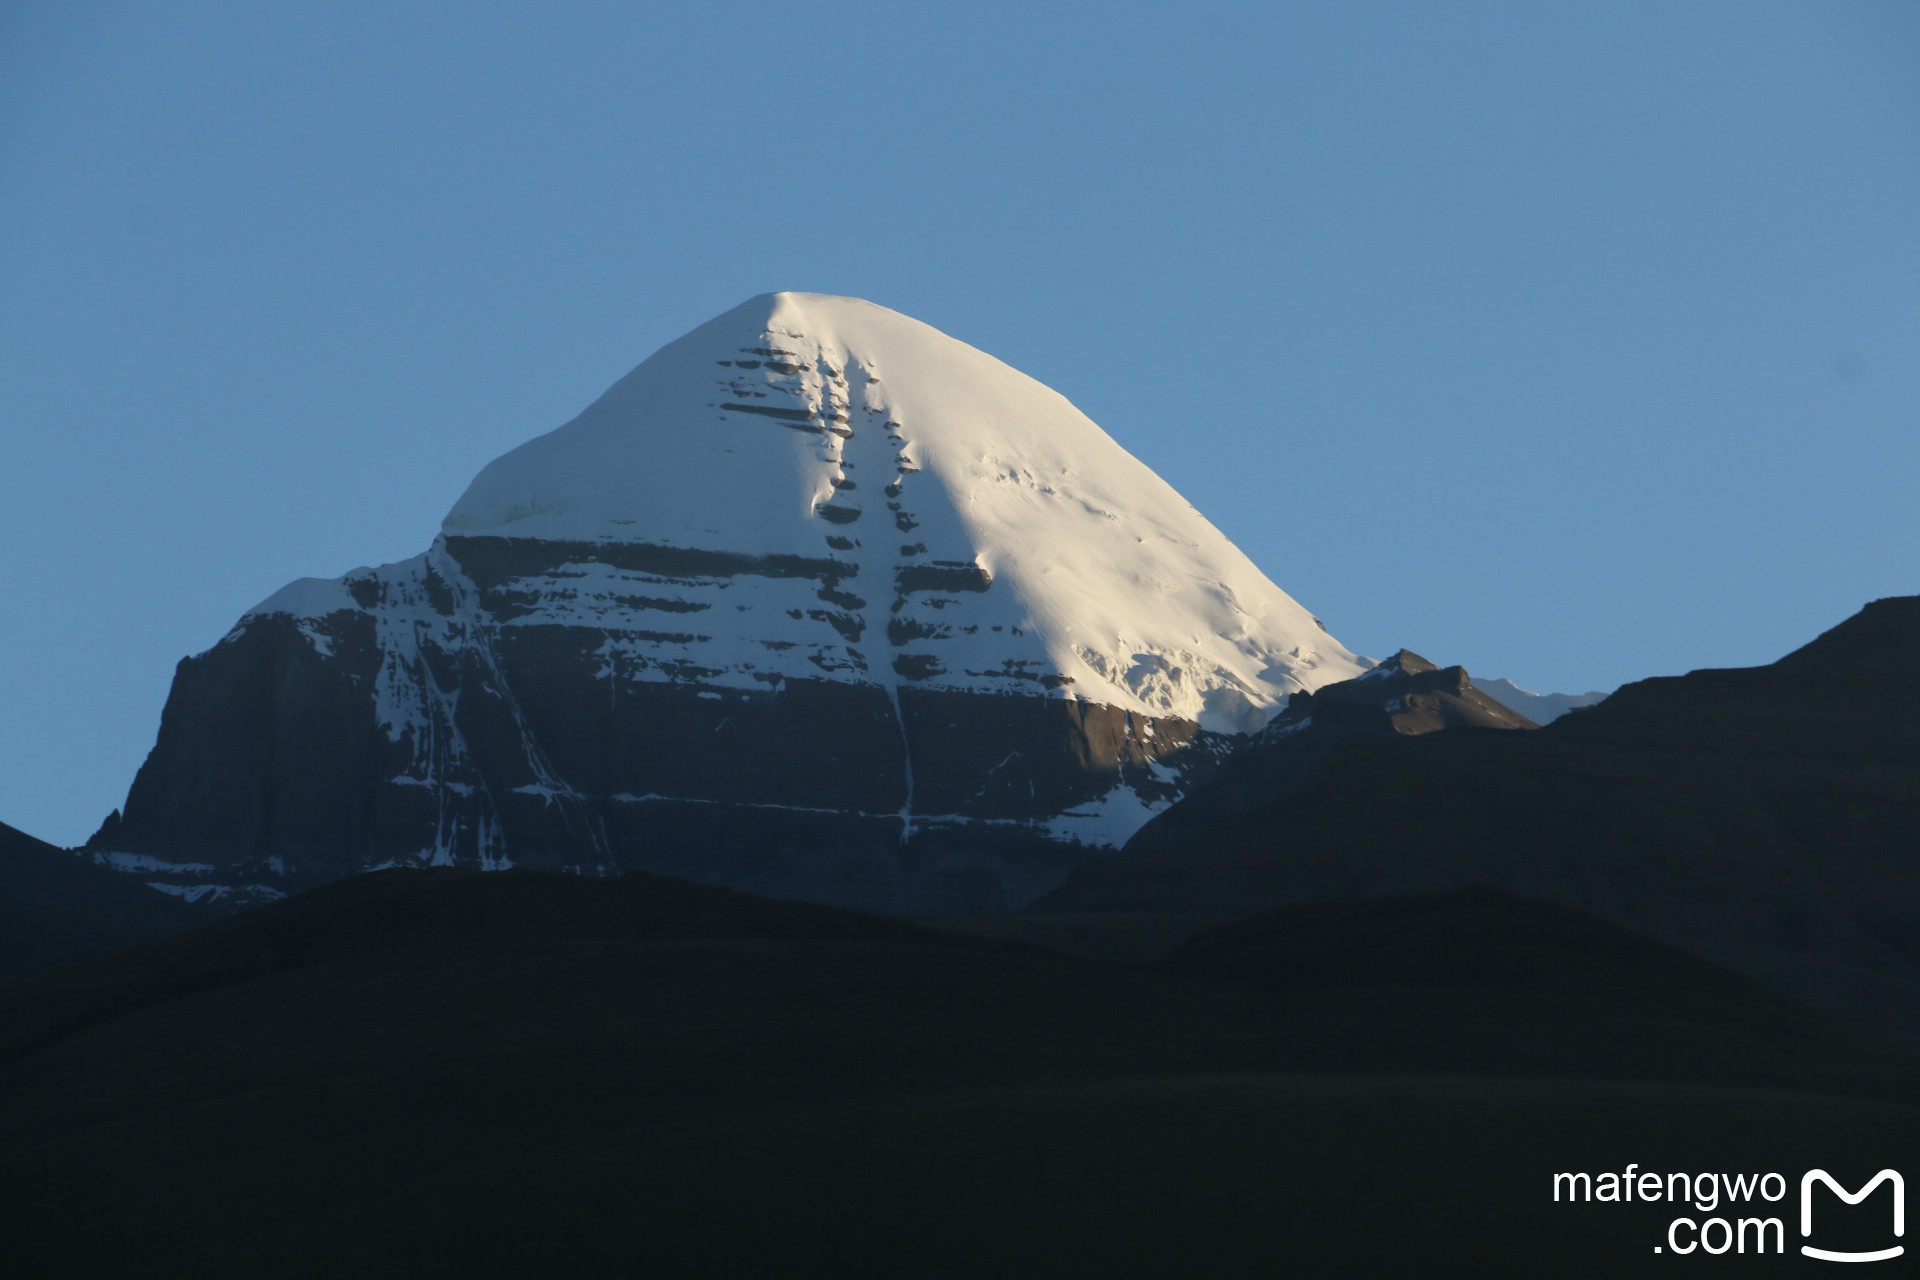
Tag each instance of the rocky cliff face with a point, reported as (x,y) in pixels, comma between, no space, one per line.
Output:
(816,602)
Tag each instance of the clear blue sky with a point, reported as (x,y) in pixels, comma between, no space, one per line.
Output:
(1573,342)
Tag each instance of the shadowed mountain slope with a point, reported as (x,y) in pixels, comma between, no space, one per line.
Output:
(1767,818)
(57,909)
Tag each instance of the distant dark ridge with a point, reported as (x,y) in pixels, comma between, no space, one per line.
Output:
(1765,818)
(458,906)
(1468,939)
(447,909)
(1477,982)
(1482,981)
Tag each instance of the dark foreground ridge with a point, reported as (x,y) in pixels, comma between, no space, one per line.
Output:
(1765,818)
(526,1073)
(58,910)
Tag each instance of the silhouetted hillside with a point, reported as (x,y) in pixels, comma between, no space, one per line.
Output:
(1766,818)
(518,1073)
(57,909)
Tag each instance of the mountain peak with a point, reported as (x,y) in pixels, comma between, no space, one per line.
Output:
(909,466)
(1405,662)
(816,601)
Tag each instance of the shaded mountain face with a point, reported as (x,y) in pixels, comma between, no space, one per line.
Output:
(1403,696)
(529,1073)
(816,601)
(1767,818)
(57,909)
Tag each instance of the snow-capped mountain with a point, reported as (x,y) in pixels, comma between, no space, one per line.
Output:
(1541,708)
(817,601)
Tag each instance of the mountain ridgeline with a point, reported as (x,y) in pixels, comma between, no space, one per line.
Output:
(817,602)
(1765,818)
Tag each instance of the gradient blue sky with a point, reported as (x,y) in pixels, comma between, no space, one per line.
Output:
(1573,342)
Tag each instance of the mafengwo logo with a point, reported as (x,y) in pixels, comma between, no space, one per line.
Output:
(1853,1197)
(1715,1227)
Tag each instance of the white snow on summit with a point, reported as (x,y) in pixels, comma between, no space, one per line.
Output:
(831,428)
(307,598)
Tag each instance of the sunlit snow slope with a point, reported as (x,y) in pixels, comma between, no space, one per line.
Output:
(817,600)
(989,529)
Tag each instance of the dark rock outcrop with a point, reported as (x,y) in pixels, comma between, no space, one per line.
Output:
(1403,696)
